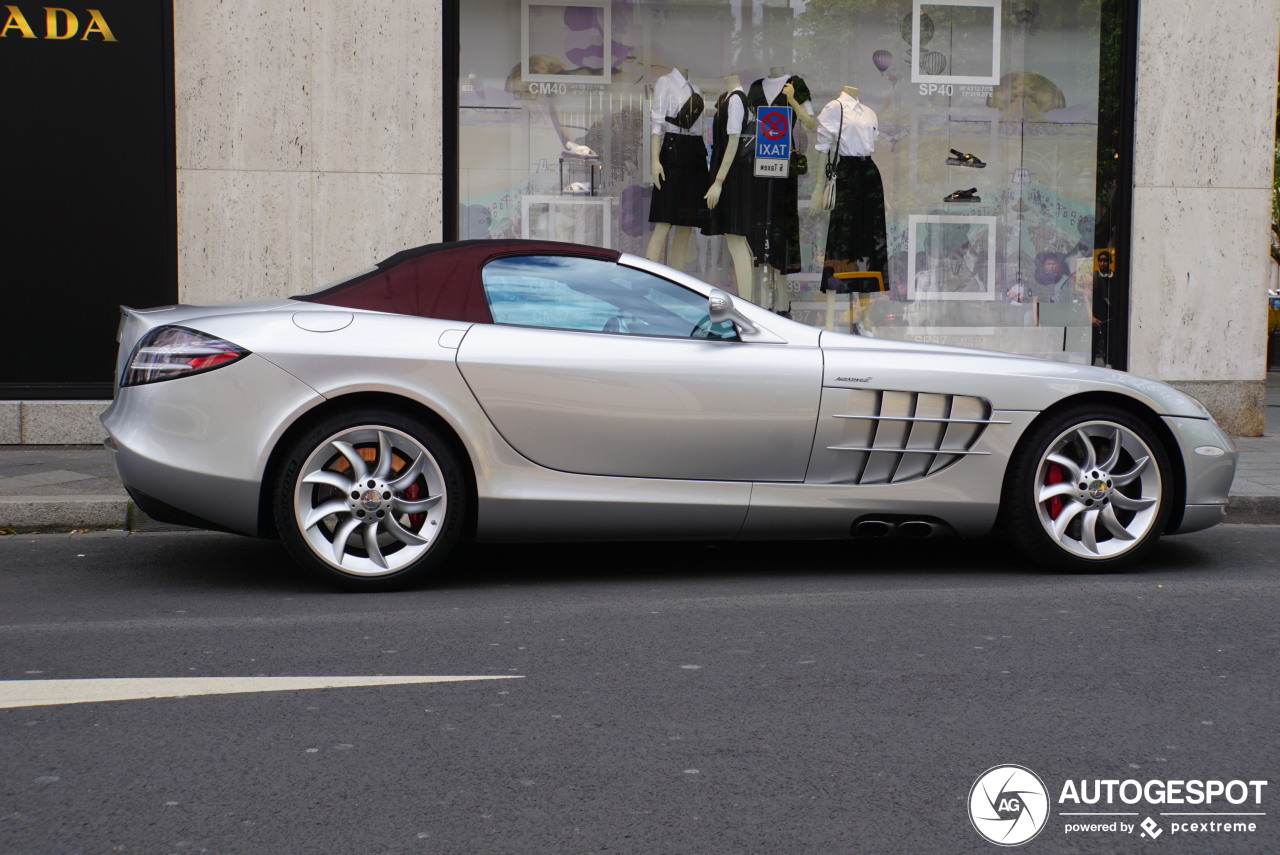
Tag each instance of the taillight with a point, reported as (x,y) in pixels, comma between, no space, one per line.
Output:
(166,353)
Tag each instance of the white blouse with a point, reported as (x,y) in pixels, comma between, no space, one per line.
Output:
(858,138)
(670,93)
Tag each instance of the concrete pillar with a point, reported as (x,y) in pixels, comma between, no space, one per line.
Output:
(308,142)
(1206,101)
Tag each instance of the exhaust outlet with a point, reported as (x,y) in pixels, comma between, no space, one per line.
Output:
(873,528)
(915,528)
(893,525)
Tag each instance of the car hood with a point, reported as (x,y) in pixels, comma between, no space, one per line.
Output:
(1008,381)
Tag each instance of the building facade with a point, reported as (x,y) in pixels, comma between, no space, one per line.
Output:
(1119,155)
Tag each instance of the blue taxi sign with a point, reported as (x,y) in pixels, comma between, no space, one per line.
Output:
(773,142)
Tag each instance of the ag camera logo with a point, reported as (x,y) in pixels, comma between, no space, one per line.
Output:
(1008,805)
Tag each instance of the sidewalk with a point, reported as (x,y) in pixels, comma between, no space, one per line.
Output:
(66,488)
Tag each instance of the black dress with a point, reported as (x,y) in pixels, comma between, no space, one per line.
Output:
(679,201)
(734,213)
(778,199)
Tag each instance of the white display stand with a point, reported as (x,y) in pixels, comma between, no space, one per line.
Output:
(1061,344)
(814,312)
(575,219)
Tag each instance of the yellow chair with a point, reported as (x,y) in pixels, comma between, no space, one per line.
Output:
(863,287)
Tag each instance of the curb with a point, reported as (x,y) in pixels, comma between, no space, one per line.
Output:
(1253,510)
(43,514)
(32,514)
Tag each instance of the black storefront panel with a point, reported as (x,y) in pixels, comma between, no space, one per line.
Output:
(88,212)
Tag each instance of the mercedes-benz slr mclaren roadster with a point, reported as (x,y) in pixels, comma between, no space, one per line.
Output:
(534,391)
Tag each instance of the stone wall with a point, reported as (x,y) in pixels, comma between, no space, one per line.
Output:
(51,422)
(1206,99)
(308,140)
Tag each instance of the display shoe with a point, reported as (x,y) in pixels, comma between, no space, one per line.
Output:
(579,150)
(962,159)
(969,195)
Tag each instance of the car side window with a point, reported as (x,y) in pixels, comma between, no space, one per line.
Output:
(568,293)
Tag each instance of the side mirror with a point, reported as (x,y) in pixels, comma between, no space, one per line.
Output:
(720,307)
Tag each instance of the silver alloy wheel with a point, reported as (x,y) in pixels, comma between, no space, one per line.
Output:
(1098,490)
(370,500)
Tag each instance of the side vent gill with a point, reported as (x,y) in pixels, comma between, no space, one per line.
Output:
(890,437)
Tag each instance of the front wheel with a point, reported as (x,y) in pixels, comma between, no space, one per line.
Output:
(1088,490)
(370,501)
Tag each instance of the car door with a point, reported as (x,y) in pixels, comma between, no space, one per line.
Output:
(598,368)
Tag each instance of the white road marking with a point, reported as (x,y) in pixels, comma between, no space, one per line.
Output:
(37,693)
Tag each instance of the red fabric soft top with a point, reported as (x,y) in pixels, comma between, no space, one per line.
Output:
(441,280)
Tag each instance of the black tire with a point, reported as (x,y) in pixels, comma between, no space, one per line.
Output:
(1075,501)
(390,528)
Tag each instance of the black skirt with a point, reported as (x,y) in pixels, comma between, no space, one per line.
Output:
(679,201)
(734,213)
(857,226)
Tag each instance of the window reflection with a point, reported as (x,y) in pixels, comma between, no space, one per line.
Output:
(563,292)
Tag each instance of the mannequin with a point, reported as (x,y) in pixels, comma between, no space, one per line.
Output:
(847,131)
(678,162)
(729,197)
(820,175)
(777,200)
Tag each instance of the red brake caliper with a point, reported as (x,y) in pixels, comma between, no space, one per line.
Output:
(413,494)
(1053,475)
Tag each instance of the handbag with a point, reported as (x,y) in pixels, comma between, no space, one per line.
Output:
(800,164)
(829,192)
(833,159)
(689,111)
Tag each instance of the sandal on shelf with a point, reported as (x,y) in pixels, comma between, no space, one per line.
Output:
(969,195)
(962,159)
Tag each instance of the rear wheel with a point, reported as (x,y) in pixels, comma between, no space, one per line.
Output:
(1088,490)
(370,501)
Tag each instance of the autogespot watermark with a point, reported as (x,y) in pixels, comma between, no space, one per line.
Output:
(1009,805)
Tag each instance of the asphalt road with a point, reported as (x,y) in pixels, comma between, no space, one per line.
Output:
(784,698)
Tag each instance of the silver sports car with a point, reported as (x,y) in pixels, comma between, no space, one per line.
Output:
(532,391)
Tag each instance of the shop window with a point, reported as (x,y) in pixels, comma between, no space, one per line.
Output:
(968,172)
